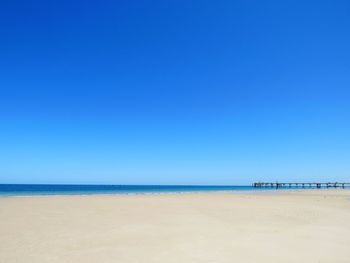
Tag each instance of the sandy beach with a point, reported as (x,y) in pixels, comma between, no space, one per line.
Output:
(303,226)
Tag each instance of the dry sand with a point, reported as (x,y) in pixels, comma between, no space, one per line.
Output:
(310,226)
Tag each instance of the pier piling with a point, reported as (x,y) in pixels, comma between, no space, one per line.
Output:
(303,185)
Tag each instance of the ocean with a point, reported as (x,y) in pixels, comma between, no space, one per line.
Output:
(65,189)
(74,189)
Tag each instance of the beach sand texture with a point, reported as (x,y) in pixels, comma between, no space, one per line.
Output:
(308,226)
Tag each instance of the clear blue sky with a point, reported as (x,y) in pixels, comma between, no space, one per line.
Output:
(174,92)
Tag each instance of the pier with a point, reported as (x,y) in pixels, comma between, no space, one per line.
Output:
(301,185)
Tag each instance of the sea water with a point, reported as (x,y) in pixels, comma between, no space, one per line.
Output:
(65,189)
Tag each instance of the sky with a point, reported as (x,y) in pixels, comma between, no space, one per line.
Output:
(174,92)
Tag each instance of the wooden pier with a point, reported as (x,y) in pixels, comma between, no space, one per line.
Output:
(300,185)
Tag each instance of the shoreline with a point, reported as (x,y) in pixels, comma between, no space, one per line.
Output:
(235,192)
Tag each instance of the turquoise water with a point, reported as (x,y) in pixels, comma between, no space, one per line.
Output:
(55,189)
(61,189)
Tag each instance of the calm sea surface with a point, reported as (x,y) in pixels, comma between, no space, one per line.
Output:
(55,189)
